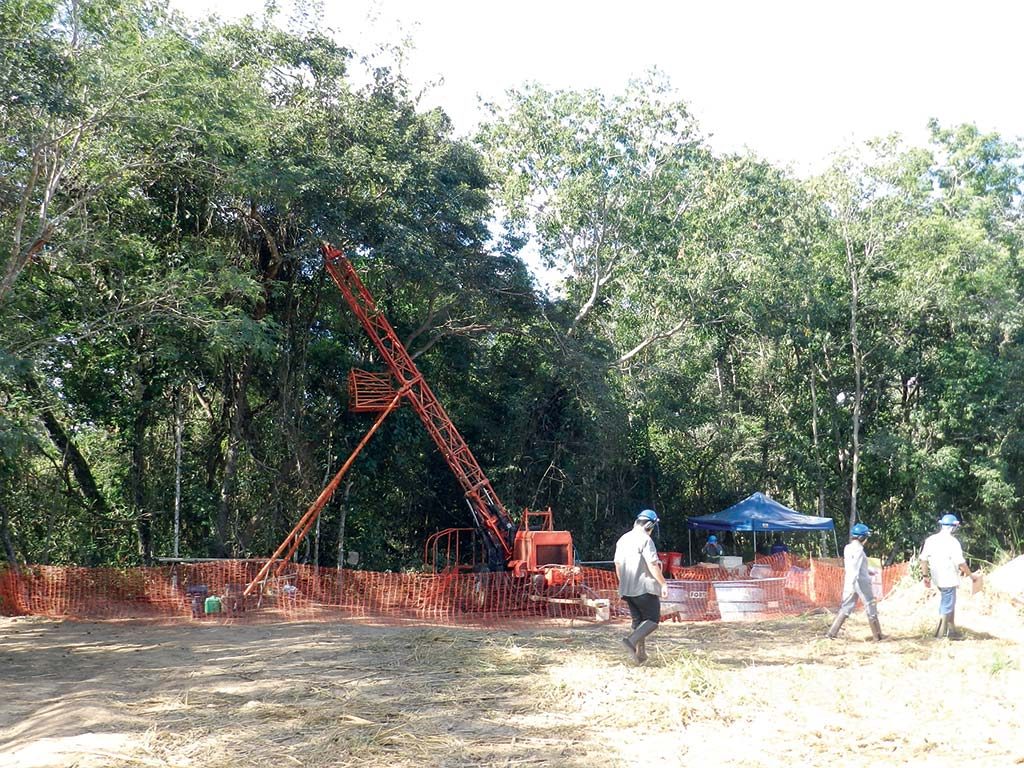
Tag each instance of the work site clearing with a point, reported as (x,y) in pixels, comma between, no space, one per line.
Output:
(768,693)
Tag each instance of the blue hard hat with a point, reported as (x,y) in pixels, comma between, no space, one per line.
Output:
(860,530)
(948,519)
(712,539)
(647,516)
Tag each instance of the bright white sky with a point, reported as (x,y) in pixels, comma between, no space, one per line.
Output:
(792,80)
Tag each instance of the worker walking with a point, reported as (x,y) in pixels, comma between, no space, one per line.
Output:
(942,558)
(857,583)
(641,583)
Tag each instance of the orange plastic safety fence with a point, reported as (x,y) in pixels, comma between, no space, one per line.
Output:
(213,591)
(779,584)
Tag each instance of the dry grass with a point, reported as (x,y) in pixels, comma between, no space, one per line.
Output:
(768,694)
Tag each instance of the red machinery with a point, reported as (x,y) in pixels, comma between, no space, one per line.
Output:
(522,550)
(533,548)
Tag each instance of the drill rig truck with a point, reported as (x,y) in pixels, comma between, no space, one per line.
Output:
(532,549)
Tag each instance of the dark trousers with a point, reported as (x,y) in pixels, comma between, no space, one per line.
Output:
(644,608)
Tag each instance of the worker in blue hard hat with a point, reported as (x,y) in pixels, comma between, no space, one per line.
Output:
(712,550)
(641,582)
(857,583)
(942,560)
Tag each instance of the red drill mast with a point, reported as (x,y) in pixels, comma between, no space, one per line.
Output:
(541,551)
(489,513)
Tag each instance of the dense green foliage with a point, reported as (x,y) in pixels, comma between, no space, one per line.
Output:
(850,344)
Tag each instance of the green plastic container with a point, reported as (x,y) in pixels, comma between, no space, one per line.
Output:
(212,604)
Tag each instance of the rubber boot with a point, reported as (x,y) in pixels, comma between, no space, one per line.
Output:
(836,626)
(942,628)
(637,637)
(641,652)
(876,628)
(951,631)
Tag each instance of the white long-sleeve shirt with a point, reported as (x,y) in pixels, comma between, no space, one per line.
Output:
(857,578)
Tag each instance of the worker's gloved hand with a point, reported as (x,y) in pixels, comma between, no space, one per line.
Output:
(928,581)
(664,592)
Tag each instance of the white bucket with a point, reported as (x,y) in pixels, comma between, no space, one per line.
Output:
(602,610)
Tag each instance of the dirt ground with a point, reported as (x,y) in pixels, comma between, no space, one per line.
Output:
(773,693)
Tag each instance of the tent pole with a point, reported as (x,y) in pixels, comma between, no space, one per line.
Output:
(835,540)
(689,544)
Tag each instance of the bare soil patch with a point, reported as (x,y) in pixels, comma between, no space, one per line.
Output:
(772,693)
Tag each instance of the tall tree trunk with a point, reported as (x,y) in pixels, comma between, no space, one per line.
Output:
(323,484)
(341,526)
(812,376)
(143,519)
(858,367)
(222,524)
(5,536)
(817,445)
(238,387)
(79,466)
(144,392)
(179,428)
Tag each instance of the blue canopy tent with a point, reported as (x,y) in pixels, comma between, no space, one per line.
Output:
(756,513)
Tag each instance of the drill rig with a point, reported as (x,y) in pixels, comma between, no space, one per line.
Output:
(532,549)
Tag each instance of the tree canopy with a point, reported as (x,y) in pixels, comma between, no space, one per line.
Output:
(713,325)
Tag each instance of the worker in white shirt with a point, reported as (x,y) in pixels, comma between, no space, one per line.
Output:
(942,561)
(641,582)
